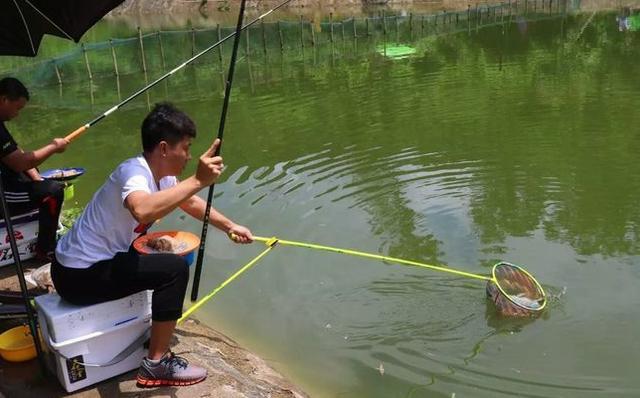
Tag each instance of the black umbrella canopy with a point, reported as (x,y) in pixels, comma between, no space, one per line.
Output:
(24,22)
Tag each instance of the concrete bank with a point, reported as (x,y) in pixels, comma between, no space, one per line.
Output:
(234,372)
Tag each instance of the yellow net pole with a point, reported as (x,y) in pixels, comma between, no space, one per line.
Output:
(374,256)
(196,306)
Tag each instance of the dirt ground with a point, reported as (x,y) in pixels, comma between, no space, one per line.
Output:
(163,6)
(218,8)
(152,15)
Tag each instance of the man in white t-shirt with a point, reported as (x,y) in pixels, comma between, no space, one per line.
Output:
(95,261)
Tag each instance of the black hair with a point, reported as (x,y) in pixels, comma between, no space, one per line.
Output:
(13,89)
(167,123)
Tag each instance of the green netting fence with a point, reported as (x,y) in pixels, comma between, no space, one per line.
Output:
(154,53)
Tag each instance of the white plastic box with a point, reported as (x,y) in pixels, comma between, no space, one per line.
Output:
(92,335)
(66,321)
(25,229)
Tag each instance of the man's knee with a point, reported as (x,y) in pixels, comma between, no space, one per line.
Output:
(49,188)
(56,190)
(184,270)
(180,270)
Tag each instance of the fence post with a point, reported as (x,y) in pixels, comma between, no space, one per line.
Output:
(397,28)
(366,26)
(86,61)
(93,99)
(355,33)
(247,49)
(384,24)
(410,26)
(444,21)
(313,35)
(280,36)
(502,7)
(58,75)
(301,33)
(193,42)
(144,67)
(144,62)
(161,46)
(331,25)
(264,37)
(118,88)
(219,46)
(113,56)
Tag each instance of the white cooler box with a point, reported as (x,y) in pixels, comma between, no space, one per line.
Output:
(78,338)
(25,229)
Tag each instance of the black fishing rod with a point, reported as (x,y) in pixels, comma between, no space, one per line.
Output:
(223,118)
(80,130)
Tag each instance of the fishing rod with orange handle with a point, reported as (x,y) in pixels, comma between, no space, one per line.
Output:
(82,129)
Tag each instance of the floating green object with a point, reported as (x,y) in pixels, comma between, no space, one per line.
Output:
(633,22)
(396,51)
(69,192)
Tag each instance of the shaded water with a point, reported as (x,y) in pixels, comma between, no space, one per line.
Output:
(518,146)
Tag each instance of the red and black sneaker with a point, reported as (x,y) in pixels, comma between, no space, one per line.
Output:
(170,370)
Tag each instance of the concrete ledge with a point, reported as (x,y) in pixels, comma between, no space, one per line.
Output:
(234,372)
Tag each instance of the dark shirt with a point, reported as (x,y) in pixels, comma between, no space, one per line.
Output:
(7,145)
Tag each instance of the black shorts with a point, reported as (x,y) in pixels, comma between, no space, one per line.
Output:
(125,274)
(47,196)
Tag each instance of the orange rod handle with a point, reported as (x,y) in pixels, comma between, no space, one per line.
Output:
(77,133)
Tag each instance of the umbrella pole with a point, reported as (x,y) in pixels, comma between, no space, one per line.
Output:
(223,118)
(23,284)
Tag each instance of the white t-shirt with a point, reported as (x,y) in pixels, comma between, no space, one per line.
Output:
(106,226)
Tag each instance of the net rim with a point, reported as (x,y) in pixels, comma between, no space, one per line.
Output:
(508,297)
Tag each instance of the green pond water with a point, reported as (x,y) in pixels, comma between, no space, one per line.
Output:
(516,143)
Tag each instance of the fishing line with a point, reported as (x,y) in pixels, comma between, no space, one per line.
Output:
(82,129)
(373,256)
(508,280)
(512,289)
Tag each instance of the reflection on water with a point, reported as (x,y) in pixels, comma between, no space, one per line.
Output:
(502,144)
